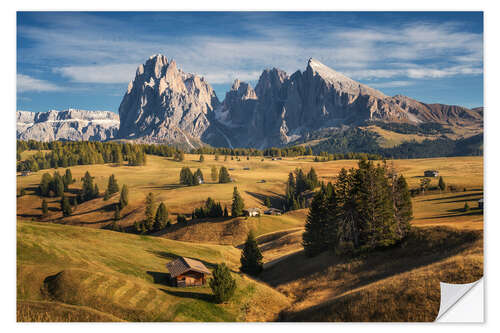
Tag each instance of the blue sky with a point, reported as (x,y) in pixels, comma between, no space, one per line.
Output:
(86,59)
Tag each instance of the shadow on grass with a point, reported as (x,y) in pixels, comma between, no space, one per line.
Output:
(456,197)
(189,294)
(160,277)
(165,187)
(276,199)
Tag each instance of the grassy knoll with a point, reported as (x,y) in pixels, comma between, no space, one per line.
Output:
(122,277)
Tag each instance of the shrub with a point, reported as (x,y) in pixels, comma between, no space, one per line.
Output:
(222,283)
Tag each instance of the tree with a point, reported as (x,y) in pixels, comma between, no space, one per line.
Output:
(113,186)
(117,217)
(466,207)
(224,175)
(222,283)
(57,185)
(216,156)
(441,183)
(45,208)
(44,187)
(251,257)
(106,195)
(179,156)
(124,197)
(95,192)
(226,213)
(202,158)
(160,217)
(238,204)
(67,179)
(65,206)
(149,221)
(22,192)
(267,202)
(214,173)
(315,238)
(88,190)
(403,206)
(186,177)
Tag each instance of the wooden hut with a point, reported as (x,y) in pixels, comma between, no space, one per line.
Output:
(185,272)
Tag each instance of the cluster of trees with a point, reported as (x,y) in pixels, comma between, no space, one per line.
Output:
(405,128)
(190,179)
(367,208)
(325,157)
(156,219)
(291,151)
(56,185)
(299,182)
(210,209)
(64,154)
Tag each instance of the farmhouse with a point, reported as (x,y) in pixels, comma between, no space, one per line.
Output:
(252,212)
(431,173)
(272,211)
(185,272)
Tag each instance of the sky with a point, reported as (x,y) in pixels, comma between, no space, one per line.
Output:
(85,60)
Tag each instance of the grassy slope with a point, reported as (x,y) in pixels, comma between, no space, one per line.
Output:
(123,276)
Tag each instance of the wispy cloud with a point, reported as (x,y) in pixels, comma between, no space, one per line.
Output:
(27,83)
(94,50)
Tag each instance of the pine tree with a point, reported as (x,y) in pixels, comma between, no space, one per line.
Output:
(222,283)
(160,217)
(149,221)
(403,206)
(238,204)
(226,213)
(198,177)
(441,183)
(314,238)
(251,257)
(214,173)
(106,195)
(267,202)
(65,206)
(44,187)
(312,179)
(124,197)
(67,179)
(202,158)
(117,217)
(45,208)
(216,156)
(224,175)
(113,186)
(57,185)
(95,192)
(87,187)
(466,207)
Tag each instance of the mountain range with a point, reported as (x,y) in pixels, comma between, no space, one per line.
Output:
(163,104)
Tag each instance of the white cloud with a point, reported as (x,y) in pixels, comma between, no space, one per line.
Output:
(96,52)
(391,84)
(113,73)
(27,83)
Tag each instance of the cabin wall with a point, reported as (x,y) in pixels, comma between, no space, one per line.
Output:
(190,279)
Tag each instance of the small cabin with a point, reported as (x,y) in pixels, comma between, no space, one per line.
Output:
(185,272)
(480,203)
(246,168)
(272,211)
(431,173)
(231,169)
(252,212)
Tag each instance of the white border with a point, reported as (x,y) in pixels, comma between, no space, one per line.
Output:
(7,132)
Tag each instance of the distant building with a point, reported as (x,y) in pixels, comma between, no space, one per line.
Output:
(272,211)
(480,203)
(262,181)
(25,173)
(431,173)
(252,212)
(186,272)
(246,168)
(231,169)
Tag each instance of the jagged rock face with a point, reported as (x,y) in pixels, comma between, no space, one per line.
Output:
(67,125)
(286,108)
(164,104)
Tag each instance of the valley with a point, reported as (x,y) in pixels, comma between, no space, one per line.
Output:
(71,268)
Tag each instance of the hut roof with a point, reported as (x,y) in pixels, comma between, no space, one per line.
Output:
(182,265)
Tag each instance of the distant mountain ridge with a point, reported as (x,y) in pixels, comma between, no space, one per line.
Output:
(67,125)
(164,104)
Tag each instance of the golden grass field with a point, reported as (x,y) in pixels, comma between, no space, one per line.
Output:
(70,273)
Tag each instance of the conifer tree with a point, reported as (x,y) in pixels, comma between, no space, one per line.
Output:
(216,156)
(95,193)
(57,185)
(222,283)
(251,257)
(238,204)
(22,192)
(44,187)
(226,213)
(106,195)
(113,186)
(87,187)
(116,216)
(466,207)
(45,208)
(403,206)
(65,206)
(441,183)
(315,238)
(267,202)
(149,221)
(224,175)
(124,197)
(198,177)
(202,158)
(160,217)
(67,179)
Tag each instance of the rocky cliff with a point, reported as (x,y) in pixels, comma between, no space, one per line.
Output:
(165,104)
(67,125)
